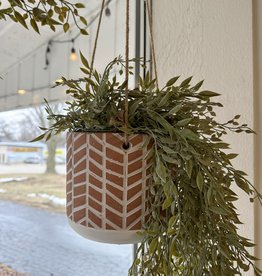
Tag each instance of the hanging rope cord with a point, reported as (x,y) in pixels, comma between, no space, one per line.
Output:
(127,72)
(97,35)
(126,61)
(149,12)
(152,45)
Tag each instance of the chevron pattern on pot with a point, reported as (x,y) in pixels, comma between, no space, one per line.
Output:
(107,186)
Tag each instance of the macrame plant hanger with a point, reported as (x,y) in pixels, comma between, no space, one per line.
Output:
(103,222)
(152,45)
(126,144)
(127,32)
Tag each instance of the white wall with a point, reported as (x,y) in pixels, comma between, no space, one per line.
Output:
(212,40)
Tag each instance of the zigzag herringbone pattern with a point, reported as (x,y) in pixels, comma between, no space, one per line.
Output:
(107,187)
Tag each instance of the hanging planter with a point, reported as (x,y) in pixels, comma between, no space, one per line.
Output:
(184,181)
(171,181)
(190,200)
(107,185)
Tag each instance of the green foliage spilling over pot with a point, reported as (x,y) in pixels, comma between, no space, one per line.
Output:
(192,228)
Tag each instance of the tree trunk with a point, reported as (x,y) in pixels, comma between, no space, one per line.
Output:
(50,161)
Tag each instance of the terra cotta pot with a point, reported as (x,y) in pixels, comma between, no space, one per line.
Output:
(107,186)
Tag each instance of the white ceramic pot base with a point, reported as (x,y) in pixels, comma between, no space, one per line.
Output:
(106,236)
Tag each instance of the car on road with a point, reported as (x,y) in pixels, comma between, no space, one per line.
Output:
(33,160)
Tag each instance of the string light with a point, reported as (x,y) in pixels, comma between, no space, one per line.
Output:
(73,55)
(21,91)
(107,10)
(47,53)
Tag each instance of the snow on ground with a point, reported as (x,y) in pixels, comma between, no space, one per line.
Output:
(54,199)
(12,179)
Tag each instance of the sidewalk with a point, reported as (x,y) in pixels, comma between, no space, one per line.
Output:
(41,243)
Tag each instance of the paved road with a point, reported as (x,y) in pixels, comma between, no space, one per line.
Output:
(41,243)
(28,168)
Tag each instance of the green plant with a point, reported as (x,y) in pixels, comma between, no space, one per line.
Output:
(192,228)
(44,12)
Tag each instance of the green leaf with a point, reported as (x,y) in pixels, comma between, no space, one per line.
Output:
(189,134)
(53,22)
(183,122)
(52,28)
(198,85)
(220,145)
(200,181)
(34,25)
(231,156)
(153,246)
(167,203)
(80,5)
(66,27)
(209,194)
(20,19)
(218,210)
(189,167)
(243,185)
(83,20)
(207,93)
(43,128)
(87,72)
(169,159)
(164,99)
(175,192)
(88,80)
(40,137)
(126,130)
(160,120)
(133,106)
(48,137)
(38,12)
(172,221)
(83,32)
(172,81)
(137,261)
(175,109)
(168,150)
(84,60)
(237,117)
(206,162)
(161,170)
(186,82)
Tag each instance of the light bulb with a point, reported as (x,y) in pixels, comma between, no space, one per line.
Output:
(21,91)
(73,55)
(107,12)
